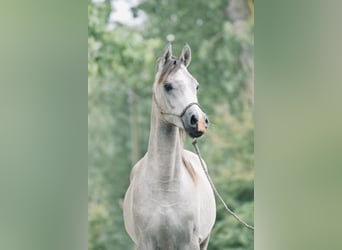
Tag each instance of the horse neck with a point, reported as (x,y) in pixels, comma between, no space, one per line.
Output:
(165,148)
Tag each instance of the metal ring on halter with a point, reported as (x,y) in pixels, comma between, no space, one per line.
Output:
(181,114)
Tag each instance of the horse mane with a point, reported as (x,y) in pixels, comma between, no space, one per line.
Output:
(190,169)
(169,67)
(182,135)
(187,163)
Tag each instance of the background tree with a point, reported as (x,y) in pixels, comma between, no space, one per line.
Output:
(121,68)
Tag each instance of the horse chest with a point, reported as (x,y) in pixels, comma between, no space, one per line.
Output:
(167,223)
(170,209)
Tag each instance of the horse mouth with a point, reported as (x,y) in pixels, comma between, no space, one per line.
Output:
(194,133)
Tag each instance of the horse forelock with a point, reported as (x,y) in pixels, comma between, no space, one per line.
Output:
(169,67)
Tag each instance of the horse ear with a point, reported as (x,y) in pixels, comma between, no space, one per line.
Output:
(166,56)
(185,56)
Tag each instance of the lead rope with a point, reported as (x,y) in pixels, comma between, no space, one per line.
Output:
(194,143)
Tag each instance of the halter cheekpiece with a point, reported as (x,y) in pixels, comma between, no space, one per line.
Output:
(166,113)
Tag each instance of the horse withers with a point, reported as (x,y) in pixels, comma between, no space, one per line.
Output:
(169,204)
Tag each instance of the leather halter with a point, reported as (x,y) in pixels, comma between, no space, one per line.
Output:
(166,113)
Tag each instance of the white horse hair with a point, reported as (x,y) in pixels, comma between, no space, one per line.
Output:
(169,204)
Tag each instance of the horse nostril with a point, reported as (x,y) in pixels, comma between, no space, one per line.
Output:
(193,120)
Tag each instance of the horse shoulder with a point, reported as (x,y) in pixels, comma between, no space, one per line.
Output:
(207,201)
(136,168)
(129,202)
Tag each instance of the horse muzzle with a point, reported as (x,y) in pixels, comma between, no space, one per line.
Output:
(195,122)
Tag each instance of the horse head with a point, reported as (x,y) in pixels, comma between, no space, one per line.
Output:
(175,93)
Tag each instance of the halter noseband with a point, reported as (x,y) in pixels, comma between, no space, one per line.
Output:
(181,114)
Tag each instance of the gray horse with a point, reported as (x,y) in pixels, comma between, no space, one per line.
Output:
(169,204)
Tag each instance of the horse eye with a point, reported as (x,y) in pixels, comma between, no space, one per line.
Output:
(197,87)
(168,86)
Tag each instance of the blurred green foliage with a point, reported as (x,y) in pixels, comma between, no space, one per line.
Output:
(121,68)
